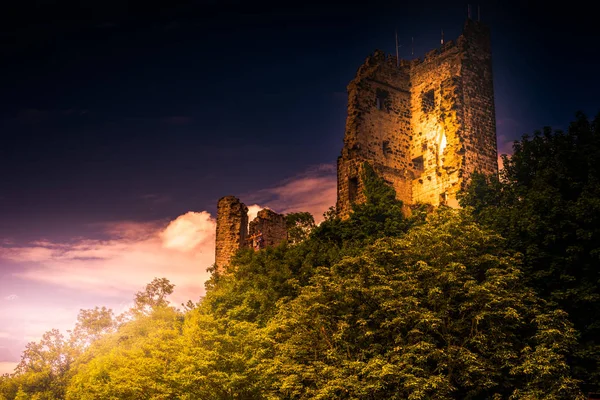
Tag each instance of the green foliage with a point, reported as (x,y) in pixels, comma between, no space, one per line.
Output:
(252,284)
(381,215)
(133,363)
(92,325)
(21,395)
(441,313)
(379,305)
(154,296)
(547,205)
(44,369)
(299,225)
(218,358)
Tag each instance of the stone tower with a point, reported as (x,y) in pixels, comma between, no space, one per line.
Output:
(233,226)
(424,125)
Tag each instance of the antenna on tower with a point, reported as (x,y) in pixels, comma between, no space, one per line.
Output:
(442,41)
(478,14)
(412,49)
(468,11)
(397,54)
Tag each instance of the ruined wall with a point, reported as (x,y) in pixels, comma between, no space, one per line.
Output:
(478,95)
(377,129)
(437,123)
(425,125)
(232,228)
(272,226)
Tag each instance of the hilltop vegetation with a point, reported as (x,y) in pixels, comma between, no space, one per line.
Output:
(498,300)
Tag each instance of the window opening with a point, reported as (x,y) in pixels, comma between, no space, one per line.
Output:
(418,164)
(352,189)
(428,101)
(382,99)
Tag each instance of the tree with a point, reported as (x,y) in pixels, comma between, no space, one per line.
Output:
(44,369)
(8,387)
(155,296)
(547,205)
(219,358)
(21,395)
(299,226)
(92,325)
(381,215)
(135,362)
(441,313)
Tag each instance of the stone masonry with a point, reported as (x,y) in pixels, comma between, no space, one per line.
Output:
(424,125)
(234,231)
(272,226)
(232,228)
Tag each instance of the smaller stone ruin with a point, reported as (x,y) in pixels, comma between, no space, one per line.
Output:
(235,232)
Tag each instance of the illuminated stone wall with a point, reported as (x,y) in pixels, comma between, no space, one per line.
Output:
(378,120)
(425,125)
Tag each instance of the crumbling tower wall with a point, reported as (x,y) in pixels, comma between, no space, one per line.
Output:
(376,129)
(271,225)
(437,121)
(453,116)
(232,229)
(481,152)
(424,125)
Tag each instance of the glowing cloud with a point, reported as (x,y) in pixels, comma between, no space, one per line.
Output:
(60,278)
(188,231)
(253,211)
(180,251)
(314,191)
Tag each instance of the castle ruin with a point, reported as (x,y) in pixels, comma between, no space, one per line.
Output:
(234,232)
(425,125)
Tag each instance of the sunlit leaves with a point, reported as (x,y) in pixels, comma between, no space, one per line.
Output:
(440,313)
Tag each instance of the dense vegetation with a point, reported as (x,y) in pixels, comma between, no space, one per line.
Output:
(547,207)
(498,300)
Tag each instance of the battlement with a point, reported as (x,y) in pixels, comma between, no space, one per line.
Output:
(234,231)
(425,125)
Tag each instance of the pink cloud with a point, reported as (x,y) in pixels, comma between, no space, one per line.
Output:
(84,272)
(180,251)
(131,229)
(189,231)
(314,191)
(27,254)
(253,211)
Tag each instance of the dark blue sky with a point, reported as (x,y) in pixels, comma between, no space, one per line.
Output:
(111,111)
